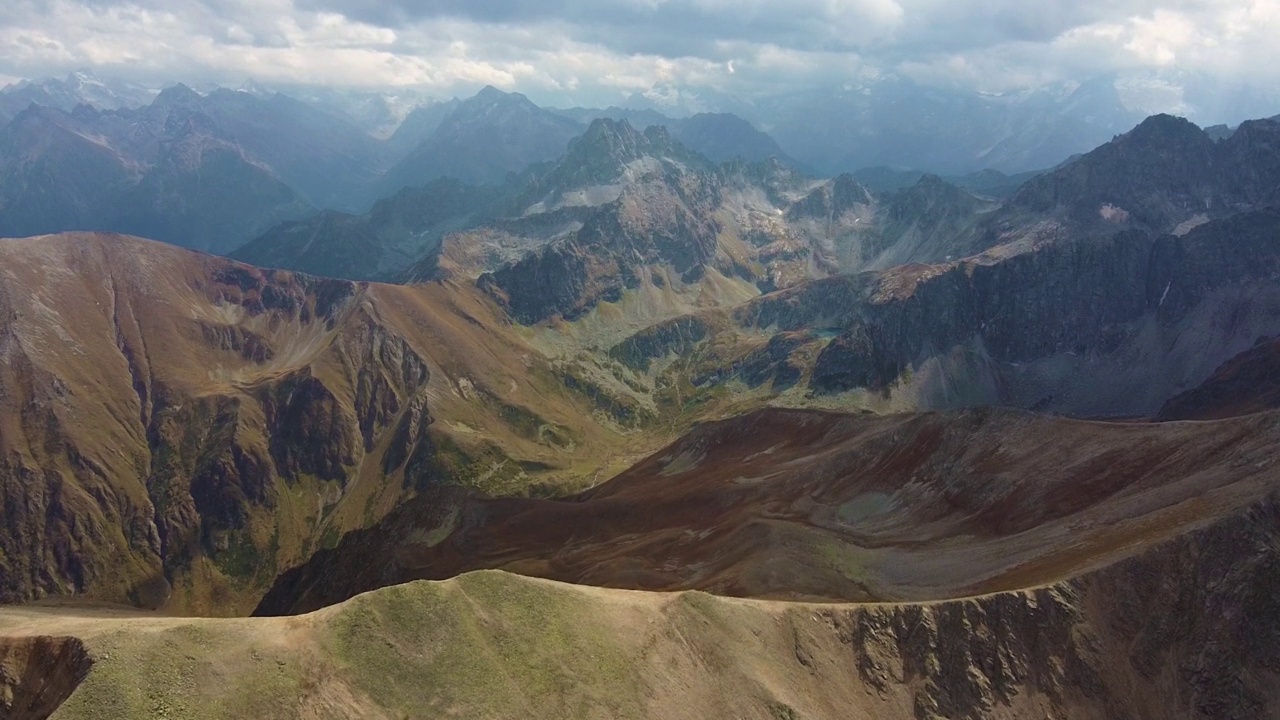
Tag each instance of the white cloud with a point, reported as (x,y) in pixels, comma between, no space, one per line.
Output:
(592,51)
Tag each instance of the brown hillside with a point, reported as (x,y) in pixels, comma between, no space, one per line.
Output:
(824,506)
(176,427)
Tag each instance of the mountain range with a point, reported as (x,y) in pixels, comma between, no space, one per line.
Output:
(213,171)
(217,169)
(627,422)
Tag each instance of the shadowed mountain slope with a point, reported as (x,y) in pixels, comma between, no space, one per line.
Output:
(1247,383)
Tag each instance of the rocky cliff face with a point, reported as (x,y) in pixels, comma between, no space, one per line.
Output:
(38,673)
(632,214)
(1111,325)
(664,221)
(1175,632)
(123,486)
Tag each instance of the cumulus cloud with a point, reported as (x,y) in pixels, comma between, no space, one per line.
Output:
(600,51)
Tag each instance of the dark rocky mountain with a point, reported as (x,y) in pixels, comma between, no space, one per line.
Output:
(1102,326)
(483,139)
(1165,176)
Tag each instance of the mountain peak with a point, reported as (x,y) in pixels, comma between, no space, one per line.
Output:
(932,182)
(607,132)
(608,145)
(1167,130)
(489,92)
(492,96)
(82,76)
(177,95)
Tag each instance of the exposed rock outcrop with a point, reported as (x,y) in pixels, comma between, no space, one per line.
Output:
(38,673)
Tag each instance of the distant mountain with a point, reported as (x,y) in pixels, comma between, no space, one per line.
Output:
(419,125)
(164,171)
(640,118)
(719,136)
(327,160)
(483,139)
(77,88)
(723,136)
(377,113)
(895,122)
(988,182)
(204,171)
(377,245)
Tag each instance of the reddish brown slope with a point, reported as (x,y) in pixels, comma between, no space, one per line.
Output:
(792,504)
(1247,383)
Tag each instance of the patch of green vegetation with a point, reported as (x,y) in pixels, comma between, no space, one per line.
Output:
(487,640)
(191,671)
(837,556)
(241,559)
(624,410)
(526,423)
(329,540)
(703,398)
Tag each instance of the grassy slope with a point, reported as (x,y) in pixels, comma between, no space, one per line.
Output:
(484,645)
(494,645)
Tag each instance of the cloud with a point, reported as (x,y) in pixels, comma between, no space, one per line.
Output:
(596,52)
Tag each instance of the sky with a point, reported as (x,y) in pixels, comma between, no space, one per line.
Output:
(602,51)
